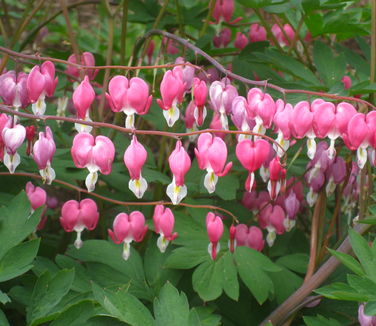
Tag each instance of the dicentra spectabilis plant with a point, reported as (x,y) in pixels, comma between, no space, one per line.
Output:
(266,143)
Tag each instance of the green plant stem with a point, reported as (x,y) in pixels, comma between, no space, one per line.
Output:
(72,38)
(207,19)
(123,37)
(297,300)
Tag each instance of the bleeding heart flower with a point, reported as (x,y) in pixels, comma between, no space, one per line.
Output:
(257,33)
(13,89)
(251,237)
(13,137)
(272,217)
(37,196)
(200,92)
(164,221)
(78,216)
(128,228)
(95,154)
(87,59)
(241,41)
(214,227)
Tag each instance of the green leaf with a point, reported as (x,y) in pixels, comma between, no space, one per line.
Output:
(76,315)
(48,292)
(16,222)
(3,319)
(371,221)
(171,308)
(341,291)
(370,308)
(364,254)
(349,261)
(207,317)
(251,267)
(362,284)
(230,276)
(320,321)
(186,258)
(330,68)
(123,306)
(207,279)
(17,260)
(227,187)
(295,262)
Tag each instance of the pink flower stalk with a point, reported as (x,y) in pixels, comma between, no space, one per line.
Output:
(128,228)
(41,82)
(13,137)
(214,227)
(188,73)
(86,59)
(30,134)
(222,93)
(211,153)
(284,37)
(251,237)
(200,92)
(164,221)
(262,107)
(271,218)
(241,41)
(129,96)
(332,121)
(172,92)
(37,196)
(346,81)
(282,122)
(302,125)
(241,118)
(95,154)
(43,153)
(252,155)
(223,38)
(223,10)
(179,162)
(257,33)
(78,216)
(365,320)
(134,159)
(276,174)
(83,97)
(13,89)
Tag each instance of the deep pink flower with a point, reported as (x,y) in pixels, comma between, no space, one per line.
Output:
(83,97)
(78,216)
(214,227)
(251,237)
(282,121)
(164,221)
(262,107)
(284,37)
(223,38)
(272,217)
(179,162)
(134,159)
(200,92)
(13,89)
(241,41)
(95,154)
(37,196)
(257,33)
(43,152)
(223,10)
(86,59)
(128,228)
(129,96)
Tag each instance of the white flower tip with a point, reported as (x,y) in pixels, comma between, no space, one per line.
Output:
(171,115)
(138,186)
(91,180)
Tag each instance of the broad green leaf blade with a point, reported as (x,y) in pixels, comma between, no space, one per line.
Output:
(251,267)
(230,276)
(370,308)
(349,261)
(362,285)
(171,307)
(18,260)
(3,319)
(207,279)
(123,306)
(16,222)
(48,292)
(320,321)
(76,315)
(364,254)
(295,262)
(341,291)
(186,258)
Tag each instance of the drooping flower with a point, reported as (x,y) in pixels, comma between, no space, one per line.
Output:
(211,153)
(13,89)
(41,82)
(257,33)
(179,162)
(164,221)
(134,159)
(78,216)
(271,218)
(37,196)
(87,59)
(251,237)
(200,92)
(13,137)
(43,153)
(214,227)
(128,228)
(129,96)
(95,154)
(241,41)
(223,10)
